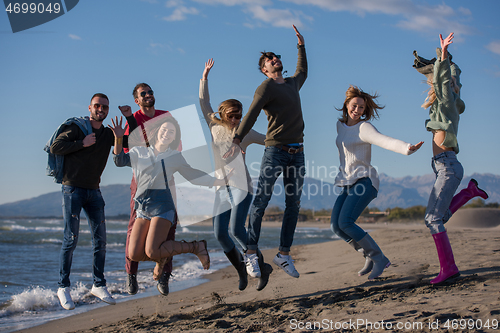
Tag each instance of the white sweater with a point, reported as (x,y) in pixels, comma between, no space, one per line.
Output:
(355,152)
(222,140)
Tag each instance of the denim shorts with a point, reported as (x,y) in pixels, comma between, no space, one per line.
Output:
(167,216)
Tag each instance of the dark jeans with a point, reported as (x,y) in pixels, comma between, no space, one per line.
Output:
(74,199)
(274,163)
(349,205)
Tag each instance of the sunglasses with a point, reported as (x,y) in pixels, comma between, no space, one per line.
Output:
(235,116)
(150,92)
(103,106)
(271,56)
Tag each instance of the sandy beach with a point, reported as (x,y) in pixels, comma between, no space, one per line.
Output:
(329,295)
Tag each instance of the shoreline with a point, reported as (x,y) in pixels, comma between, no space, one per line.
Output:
(328,289)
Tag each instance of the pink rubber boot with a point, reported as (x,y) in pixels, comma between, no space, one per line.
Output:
(446,260)
(462,197)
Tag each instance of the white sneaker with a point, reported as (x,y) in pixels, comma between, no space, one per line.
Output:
(65,298)
(286,264)
(252,263)
(103,294)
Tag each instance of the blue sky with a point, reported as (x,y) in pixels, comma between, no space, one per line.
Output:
(48,73)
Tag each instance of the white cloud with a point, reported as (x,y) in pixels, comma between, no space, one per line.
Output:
(409,14)
(235,2)
(180,12)
(417,17)
(277,17)
(161,48)
(75,37)
(360,7)
(494,46)
(440,18)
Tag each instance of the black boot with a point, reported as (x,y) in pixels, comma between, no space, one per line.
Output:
(265,271)
(236,259)
(132,286)
(163,283)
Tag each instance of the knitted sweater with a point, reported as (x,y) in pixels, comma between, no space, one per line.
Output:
(222,138)
(445,111)
(355,152)
(281,103)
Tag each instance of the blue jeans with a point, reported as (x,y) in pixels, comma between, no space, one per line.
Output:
(275,162)
(350,203)
(74,199)
(449,173)
(231,211)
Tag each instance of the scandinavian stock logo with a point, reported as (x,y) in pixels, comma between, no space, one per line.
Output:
(26,14)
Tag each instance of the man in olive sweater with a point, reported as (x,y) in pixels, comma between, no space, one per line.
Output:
(279,98)
(85,157)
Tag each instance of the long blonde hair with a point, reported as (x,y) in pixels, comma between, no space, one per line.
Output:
(431,93)
(223,107)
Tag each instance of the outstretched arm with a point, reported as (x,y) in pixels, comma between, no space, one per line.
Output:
(119,132)
(368,133)
(442,80)
(206,108)
(301,70)
(444,45)
(208,66)
(299,36)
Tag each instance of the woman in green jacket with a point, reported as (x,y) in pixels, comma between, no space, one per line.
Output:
(445,109)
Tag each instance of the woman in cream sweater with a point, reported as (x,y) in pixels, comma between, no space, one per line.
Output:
(357,178)
(232,201)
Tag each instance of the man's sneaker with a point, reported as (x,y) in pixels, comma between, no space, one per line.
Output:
(286,263)
(103,294)
(65,298)
(132,286)
(163,283)
(252,263)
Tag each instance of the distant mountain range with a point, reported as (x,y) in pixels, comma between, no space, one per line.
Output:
(394,192)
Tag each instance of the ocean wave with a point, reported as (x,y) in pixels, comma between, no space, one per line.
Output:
(51,240)
(18,227)
(33,299)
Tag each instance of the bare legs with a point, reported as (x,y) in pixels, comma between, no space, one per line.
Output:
(148,243)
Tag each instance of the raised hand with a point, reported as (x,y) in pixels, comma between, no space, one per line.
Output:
(444,44)
(208,66)
(299,36)
(126,110)
(117,128)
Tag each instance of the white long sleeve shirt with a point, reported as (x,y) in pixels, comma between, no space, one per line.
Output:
(355,152)
(222,140)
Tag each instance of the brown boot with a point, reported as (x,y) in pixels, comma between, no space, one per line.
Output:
(170,248)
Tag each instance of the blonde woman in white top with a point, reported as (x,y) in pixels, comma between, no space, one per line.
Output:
(233,201)
(357,177)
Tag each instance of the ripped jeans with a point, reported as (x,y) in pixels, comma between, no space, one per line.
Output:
(74,199)
(274,163)
(449,173)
